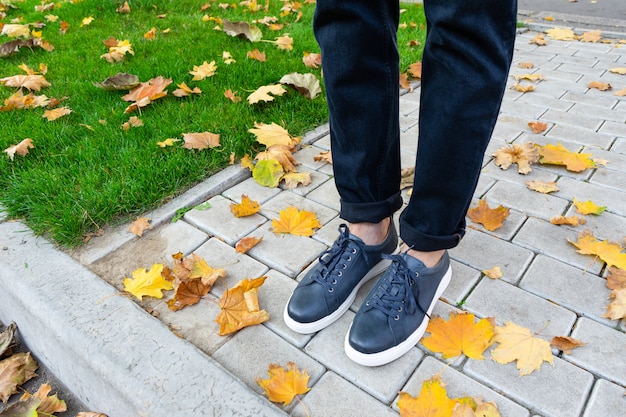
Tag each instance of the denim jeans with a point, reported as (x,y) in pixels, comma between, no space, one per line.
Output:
(465,64)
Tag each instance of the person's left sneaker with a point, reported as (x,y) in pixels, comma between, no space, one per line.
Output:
(395,314)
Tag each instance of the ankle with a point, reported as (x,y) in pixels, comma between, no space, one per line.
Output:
(371,233)
(429,259)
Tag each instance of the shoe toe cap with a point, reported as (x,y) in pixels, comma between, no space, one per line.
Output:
(365,326)
(307,304)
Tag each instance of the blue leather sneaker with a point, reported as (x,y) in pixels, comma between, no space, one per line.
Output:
(329,288)
(395,314)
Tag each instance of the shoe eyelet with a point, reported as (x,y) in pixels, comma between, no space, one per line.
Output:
(349,259)
(334,282)
(339,273)
(344,266)
(411,281)
(353,250)
(400,309)
(396,318)
(367,303)
(331,289)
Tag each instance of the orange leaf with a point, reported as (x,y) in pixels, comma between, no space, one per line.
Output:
(559,155)
(459,335)
(147,92)
(56,113)
(539,39)
(247,243)
(150,35)
(522,155)
(543,187)
(201,140)
(247,207)
(49,404)
(432,401)
(566,343)
(325,156)
(570,220)
(526,65)
(491,219)
(284,42)
(600,85)
(284,384)
(296,222)
(256,55)
(281,153)
(610,253)
(415,70)
(240,307)
(538,127)
(404,81)
(21,148)
(232,96)
(184,90)
(516,343)
(312,60)
(524,88)
(139,226)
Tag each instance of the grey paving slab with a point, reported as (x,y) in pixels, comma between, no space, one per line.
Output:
(482,251)
(326,195)
(512,175)
(607,226)
(323,142)
(580,291)
(329,232)
(252,189)
(606,399)
(463,280)
(582,109)
(484,185)
(565,133)
(518,306)
(527,201)
(306,157)
(607,102)
(509,127)
(408,107)
(271,209)
(553,391)
(407,122)
(317,178)
(523,108)
(316,134)
(545,102)
(619,145)
(459,385)
(580,69)
(604,353)
(613,128)
(575,60)
(248,354)
(382,382)
(621,106)
(408,140)
(591,122)
(545,238)
(218,220)
(583,191)
(333,396)
(616,160)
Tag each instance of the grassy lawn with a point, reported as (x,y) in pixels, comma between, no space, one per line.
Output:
(85,171)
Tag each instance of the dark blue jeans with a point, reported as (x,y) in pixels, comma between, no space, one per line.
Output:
(467,55)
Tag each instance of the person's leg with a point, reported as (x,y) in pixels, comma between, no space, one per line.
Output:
(361,74)
(466,60)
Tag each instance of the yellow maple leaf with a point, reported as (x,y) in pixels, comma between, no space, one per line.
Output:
(561,34)
(201,140)
(147,283)
(588,207)
(293,179)
(86,21)
(523,155)
(139,226)
(284,384)
(459,335)
(529,77)
(200,72)
(240,306)
(559,155)
(56,113)
(296,222)
(117,50)
(21,148)
(273,134)
(610,253)
(247,207)
(491,219)
(432,401)
(516,343)
(543,187)
(263,93)
(168,142)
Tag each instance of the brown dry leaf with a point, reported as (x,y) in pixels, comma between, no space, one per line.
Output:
(240,306)
(246,162)
(263,93)
(284,42)
(415,70)
(30,82)
(517,343)
(14,371)
(610,253)
(147,283)
(293,179)
(559,155)
(526,65)
(256,55)
(139,226)
(242,30)
(232,96)
(151,34)
(591,36)
(522,155)
(117,50)
(200,72)
(432,401)
(569,220)
(561,34)
(493,273)
(544,187)
(616,280)
(524,88)
(566,343)
(188,293)
(56,113)
(184,90)
(194,267)
(119,81)
(459,335)
(284,384)
(20,101)
(490,218)
(146,93)
(124,8)
(588,207)
(616,310)
(312,60)
(247,207)
(324,156)
(273,134)
(90,414)
(7,339)
(600,85)
(306,84)
(539,39)
(296,222)
(16,30)
(247,243)
(63,27)
(538,127)
(48,404)
(201,140)
(21,148)
(282,153)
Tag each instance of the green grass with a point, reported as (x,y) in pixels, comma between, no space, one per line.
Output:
(85,171)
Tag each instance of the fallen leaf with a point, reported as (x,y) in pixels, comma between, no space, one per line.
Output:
(432,401)
(243,30)
(529,77)
(139,226)
(246,162)
(268,173)
(490,218)
(30,82)
(200,72)
(117,50)
(621,93)
(621,71)
(569,220)
(263,93)
(539,39)
(493,273)
(284,42)
(14,371)
(293,179)
(240,306)
(228,58)
(146,93)
(284,384)
(86,21)
(600,85)
(90,414)
(407,178)
(588,207)
(194,267)
(48,404)
(20,101)
(591,36)
(281,153)
(147,283)
(296,222)
(201,140)
(566,343)
(120,81)
(306,84)
(256,55)
(21,148)
(610,253)
(561,34)
(324,156)
(559,155)
(415,70)
(273,134)
(247,207)
(188,293)
(538,127)
(16,30)
(26,408)
(232,96)
(517,343)
(526,65)
(56,113)
(151,34)
(7,338)
(544,187)
(13,47)
(459,335)
(247,243)
(183,90)
(616,310)
(523,155)
(616,280)
(124,8)
(168,142)
(524,88)
(312,60)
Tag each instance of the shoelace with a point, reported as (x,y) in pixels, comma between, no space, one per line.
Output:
(395,292)
(336,259)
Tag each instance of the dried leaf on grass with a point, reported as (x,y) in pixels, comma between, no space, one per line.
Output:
(21,148)
(273,134)
(284,385)
(491,219)
(56,113)
(306,84)
(263,93)
(119,81)
(242,30)
(200,72)
(516,343)
(146,93)
(30,82)
(202,140)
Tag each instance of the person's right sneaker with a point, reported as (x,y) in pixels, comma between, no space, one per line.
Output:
(395,314)
(329,288)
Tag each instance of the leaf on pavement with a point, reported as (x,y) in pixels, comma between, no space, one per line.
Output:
(247,243)
(569,220)
(284,384)
(7,338)
(528,77)
(516,343)
(616,279)
(263,93)
(559,155)
(26,408)
(30,82)
(119,81)
(281,153)
(296,222)
(268,173)
(493,273)
(591,36)
(21,148)
(200,72)
(459,335)
(491,219)
(600,85)
(588,207)
(139,226)
(14,371)
(195,267)
(201,140)
(49,404)
(188,293)
(610,253)
(306,84)
(147,283)
(324,156)
(538,127)
(544,187)
(240,306)
(621,71)
(522,155)
(561,34)
(56,113)
(566,343)
(616,310)
(432,401)
(293,179)
(524,88)
(247,207)
(539,40)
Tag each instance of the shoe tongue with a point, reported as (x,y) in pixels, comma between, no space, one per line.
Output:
(412,263)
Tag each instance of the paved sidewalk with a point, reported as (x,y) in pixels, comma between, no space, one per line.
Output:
(123,361)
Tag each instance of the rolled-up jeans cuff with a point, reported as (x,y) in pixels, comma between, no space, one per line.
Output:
(372,212)
(419,241)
